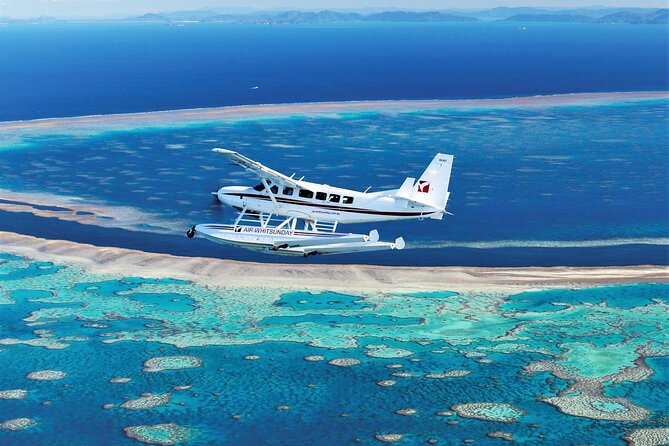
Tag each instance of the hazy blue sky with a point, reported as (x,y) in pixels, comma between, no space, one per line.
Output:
(66,8)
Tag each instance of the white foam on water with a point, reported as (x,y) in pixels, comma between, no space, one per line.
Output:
(497,244)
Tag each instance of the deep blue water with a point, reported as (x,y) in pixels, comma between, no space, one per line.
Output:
(77,69)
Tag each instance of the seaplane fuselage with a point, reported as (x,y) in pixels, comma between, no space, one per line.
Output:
(320,202)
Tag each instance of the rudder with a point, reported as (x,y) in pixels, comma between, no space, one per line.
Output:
(431,189)
(432,186)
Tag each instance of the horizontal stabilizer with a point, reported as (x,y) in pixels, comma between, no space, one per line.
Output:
(407,188)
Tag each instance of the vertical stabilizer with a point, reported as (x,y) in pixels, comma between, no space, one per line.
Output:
(431,189)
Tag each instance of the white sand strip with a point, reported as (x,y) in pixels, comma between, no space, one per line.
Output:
(236,112)
(364,278)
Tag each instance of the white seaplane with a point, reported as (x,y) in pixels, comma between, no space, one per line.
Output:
(284,215)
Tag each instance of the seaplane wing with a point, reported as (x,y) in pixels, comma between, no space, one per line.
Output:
(261,171)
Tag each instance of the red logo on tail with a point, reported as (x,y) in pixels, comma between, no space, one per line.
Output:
(424,186)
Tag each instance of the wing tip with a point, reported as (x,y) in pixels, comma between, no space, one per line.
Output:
(223,151)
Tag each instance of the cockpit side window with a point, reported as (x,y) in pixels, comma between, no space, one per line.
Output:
(305,193)
(260,187)
(334,198)
(274,189)
(288,191)
(347,200)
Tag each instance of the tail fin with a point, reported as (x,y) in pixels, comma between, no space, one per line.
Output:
(431,189)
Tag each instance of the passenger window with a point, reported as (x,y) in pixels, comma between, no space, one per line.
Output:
(321,195)
(348,200)
(288,191)
(274,189)
(259,187)
(304,193)
(334,198)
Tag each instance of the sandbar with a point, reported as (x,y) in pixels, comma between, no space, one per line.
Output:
(195,115)
(364,278)
(13,133)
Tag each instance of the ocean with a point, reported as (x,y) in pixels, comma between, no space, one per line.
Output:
(117,358)
(71,69)
(561,184)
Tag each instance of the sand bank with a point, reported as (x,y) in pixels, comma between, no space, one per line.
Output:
(363,278)
(76,209)
(13,131)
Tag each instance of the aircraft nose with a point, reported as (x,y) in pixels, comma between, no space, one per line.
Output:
(227,193)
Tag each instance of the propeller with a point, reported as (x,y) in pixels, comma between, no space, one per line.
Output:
(215,207)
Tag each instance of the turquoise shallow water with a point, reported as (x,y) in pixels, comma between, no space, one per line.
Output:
(250,366)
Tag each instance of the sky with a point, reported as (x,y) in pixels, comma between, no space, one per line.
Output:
(124,8)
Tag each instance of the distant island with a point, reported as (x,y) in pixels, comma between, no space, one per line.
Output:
(657,17)
(510,14)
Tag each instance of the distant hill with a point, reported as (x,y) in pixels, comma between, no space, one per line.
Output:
(550,18)
(305,17)
(629,15)
(504,12)
(594,12)
(196,15)
(150,17)
(310,17)
(659,17)
(410,16)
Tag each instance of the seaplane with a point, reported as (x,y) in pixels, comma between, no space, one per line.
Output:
(289,216)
